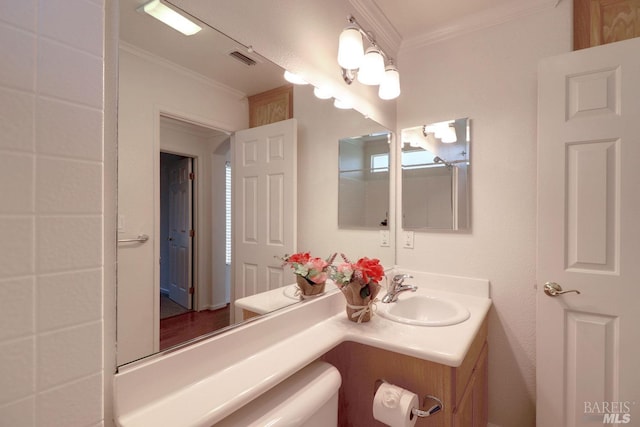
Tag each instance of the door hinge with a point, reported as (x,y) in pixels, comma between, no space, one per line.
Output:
(191,290)
(192,176)
(192,233)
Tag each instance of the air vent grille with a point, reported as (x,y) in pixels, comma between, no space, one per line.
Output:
(242,58)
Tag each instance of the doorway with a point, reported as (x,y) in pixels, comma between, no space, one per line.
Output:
(176,234)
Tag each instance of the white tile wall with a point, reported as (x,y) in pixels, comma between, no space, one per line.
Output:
(51,213)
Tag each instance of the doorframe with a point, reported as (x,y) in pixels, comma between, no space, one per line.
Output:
(169,112)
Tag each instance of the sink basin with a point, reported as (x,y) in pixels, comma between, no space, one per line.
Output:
(423,310)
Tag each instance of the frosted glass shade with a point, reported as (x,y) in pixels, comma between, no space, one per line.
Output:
(343,105)
(449,134)
(372,68)
(390,86)
(294,78)
(321,93)
(350,50)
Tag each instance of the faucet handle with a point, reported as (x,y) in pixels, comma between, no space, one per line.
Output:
(399,278)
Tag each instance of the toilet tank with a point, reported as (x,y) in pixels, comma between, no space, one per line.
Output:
(308,398)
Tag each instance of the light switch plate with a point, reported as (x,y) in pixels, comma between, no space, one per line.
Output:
(408,239)
(384,238)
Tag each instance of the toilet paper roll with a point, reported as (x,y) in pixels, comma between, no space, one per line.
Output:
(392,405)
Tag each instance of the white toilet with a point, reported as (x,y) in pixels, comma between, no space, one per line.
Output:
(309,398)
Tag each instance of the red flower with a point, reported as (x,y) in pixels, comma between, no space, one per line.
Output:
(370,269)
(300,258)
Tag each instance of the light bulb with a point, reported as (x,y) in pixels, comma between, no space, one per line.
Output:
(341,104)
(294,78)
(390,86)
(350,50)
(449,135)
(321,93)
(372,68)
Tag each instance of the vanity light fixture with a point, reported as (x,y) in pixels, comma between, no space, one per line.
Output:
(294,78)
(444,131)
(367,67)
(170,17)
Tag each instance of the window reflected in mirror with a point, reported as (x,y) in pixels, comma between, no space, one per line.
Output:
(363,194)
(435,165)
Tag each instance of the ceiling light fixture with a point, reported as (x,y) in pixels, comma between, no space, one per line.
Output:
(368,68)
(170,17)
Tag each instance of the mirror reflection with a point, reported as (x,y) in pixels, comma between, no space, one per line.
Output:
(364,181)
(179,112)
(435,176)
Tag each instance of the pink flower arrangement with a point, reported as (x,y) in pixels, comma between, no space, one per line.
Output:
(315,270)
(365,271)
(359,282)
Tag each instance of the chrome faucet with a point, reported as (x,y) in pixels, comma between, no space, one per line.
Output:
(397,287)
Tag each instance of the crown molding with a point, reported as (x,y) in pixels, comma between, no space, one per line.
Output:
(150,57)
(385,33)
(506,12)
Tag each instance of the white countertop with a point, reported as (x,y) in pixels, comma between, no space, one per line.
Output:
(275,299)
(203,383)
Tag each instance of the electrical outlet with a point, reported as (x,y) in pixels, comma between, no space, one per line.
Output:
(408,240)
(384,238)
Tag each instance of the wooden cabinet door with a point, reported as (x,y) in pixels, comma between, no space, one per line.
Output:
(597,22)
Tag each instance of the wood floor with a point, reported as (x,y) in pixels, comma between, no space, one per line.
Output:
(177,329)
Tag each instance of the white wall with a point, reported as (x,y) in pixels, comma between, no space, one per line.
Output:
(51,214)
(490,76)
(148,87)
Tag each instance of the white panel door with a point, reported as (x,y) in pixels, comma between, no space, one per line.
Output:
(264,164)
(180,225)
(588,344)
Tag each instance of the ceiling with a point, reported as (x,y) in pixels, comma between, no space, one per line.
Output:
(414,18)
(207,53)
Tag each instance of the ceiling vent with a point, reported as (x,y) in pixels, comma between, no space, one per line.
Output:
(242,58)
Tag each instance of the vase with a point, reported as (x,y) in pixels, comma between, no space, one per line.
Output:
(360,304)
(309,289)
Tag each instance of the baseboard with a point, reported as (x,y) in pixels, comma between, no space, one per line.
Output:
(218,307)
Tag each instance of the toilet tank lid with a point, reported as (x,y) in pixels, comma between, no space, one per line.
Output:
(292,401)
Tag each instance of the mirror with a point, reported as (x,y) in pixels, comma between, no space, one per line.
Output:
(363,195)
(436,176)
(178,110)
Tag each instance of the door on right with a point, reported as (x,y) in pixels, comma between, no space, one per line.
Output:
(588,343)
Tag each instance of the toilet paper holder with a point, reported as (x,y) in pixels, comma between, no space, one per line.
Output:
(431,404)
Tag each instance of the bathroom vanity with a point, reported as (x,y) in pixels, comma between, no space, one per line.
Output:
(462,389)
(203,383)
